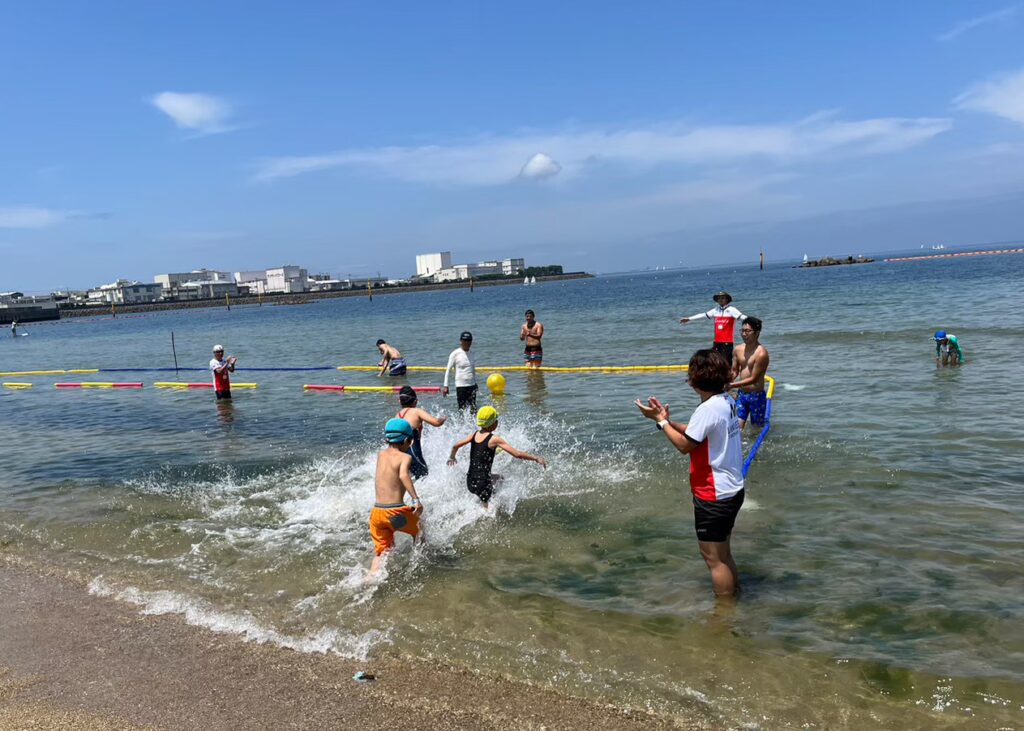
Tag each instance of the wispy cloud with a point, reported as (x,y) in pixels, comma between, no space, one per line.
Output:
(34,217)
(968,25)
(202,113)
(1001,95)
(492,161)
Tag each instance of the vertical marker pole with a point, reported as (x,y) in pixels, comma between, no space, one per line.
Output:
(227,301)
(762,260)
(369,289)
(175,351)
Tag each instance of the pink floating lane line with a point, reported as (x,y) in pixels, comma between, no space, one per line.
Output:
(314,387)
(381,389)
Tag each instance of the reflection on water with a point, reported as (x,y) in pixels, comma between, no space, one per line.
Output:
(880,589)
(536,390)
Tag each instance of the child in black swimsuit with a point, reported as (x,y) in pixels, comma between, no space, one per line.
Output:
(483,444)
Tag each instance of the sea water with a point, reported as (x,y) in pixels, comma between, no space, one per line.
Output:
(880,547)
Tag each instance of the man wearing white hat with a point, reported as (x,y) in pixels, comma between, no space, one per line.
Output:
(222,368)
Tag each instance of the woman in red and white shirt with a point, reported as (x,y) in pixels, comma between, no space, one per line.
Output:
(712,439)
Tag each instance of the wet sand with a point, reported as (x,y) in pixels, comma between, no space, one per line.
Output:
(69,660)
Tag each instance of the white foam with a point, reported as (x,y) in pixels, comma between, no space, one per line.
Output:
(792,387)
(201,613)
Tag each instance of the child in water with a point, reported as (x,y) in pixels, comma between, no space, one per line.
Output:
(483,444)
(392,481)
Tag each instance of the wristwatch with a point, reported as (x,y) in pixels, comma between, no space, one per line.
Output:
(662,424)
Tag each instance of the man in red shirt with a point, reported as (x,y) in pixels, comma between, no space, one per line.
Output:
(222,369)
(725,317)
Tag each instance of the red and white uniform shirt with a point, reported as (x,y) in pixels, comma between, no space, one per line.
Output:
(716,465)
(221,378)
(725,322)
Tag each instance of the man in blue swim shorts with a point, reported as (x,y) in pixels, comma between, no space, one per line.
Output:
(391,361)
(749,364)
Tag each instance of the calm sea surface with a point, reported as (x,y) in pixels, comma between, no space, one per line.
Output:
(881,547)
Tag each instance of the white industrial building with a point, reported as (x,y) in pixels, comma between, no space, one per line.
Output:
(125,292)
(428,265)
(173,281)
(506,267)
(287,279)
(207,289)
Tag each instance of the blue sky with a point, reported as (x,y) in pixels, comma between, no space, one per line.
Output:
(138,138)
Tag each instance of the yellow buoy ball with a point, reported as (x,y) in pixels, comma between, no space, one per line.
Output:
(496,383)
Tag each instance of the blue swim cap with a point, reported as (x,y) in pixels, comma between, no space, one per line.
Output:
(940,334)
(397,431)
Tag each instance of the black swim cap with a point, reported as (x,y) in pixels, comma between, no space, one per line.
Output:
(380,342)
(407,396)
(467,335)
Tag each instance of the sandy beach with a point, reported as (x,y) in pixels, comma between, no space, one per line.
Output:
(69,660)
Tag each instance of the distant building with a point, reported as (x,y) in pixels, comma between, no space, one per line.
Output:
(427,265)
(172,281)
(506,267)
(16,306)
(209,289)
(125,292)
(287,279)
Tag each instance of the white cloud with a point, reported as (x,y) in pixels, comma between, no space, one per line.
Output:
(968,25)
(492,161)
(1002,96)
(540,166)
(32,217)
(201,113)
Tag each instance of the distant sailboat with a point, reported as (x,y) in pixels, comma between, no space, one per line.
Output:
(526,281)
(805,257)
(533,280)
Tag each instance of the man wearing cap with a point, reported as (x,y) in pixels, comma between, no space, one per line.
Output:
(464,365)
(947,349)
(222,368)
(725,317)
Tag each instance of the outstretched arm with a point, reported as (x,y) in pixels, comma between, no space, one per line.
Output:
(431,419)
(456,447)
(518,454)
(447,371)
(699,315)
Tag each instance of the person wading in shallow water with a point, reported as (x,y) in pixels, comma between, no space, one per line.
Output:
(712,439)
(532,331)
(725,317)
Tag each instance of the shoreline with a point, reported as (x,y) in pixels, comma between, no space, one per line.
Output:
(69,659)
(300,298)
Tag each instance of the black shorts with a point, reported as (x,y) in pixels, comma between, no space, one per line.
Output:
(225,394)
(483,489)
(725,349)
(714,519)
(466,396)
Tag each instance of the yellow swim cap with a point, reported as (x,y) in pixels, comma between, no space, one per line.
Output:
(487,416)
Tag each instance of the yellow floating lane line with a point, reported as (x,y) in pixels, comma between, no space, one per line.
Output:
(7,374)
(17,385)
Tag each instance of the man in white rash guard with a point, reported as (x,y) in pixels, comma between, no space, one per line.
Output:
(725,317)
(464,364)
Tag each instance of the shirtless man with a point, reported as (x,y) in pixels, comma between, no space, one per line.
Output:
(392,481)
(532,331)
(749,363)
(391,360)
(416,417)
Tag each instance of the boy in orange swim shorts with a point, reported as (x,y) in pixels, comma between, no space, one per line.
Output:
(393,480)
